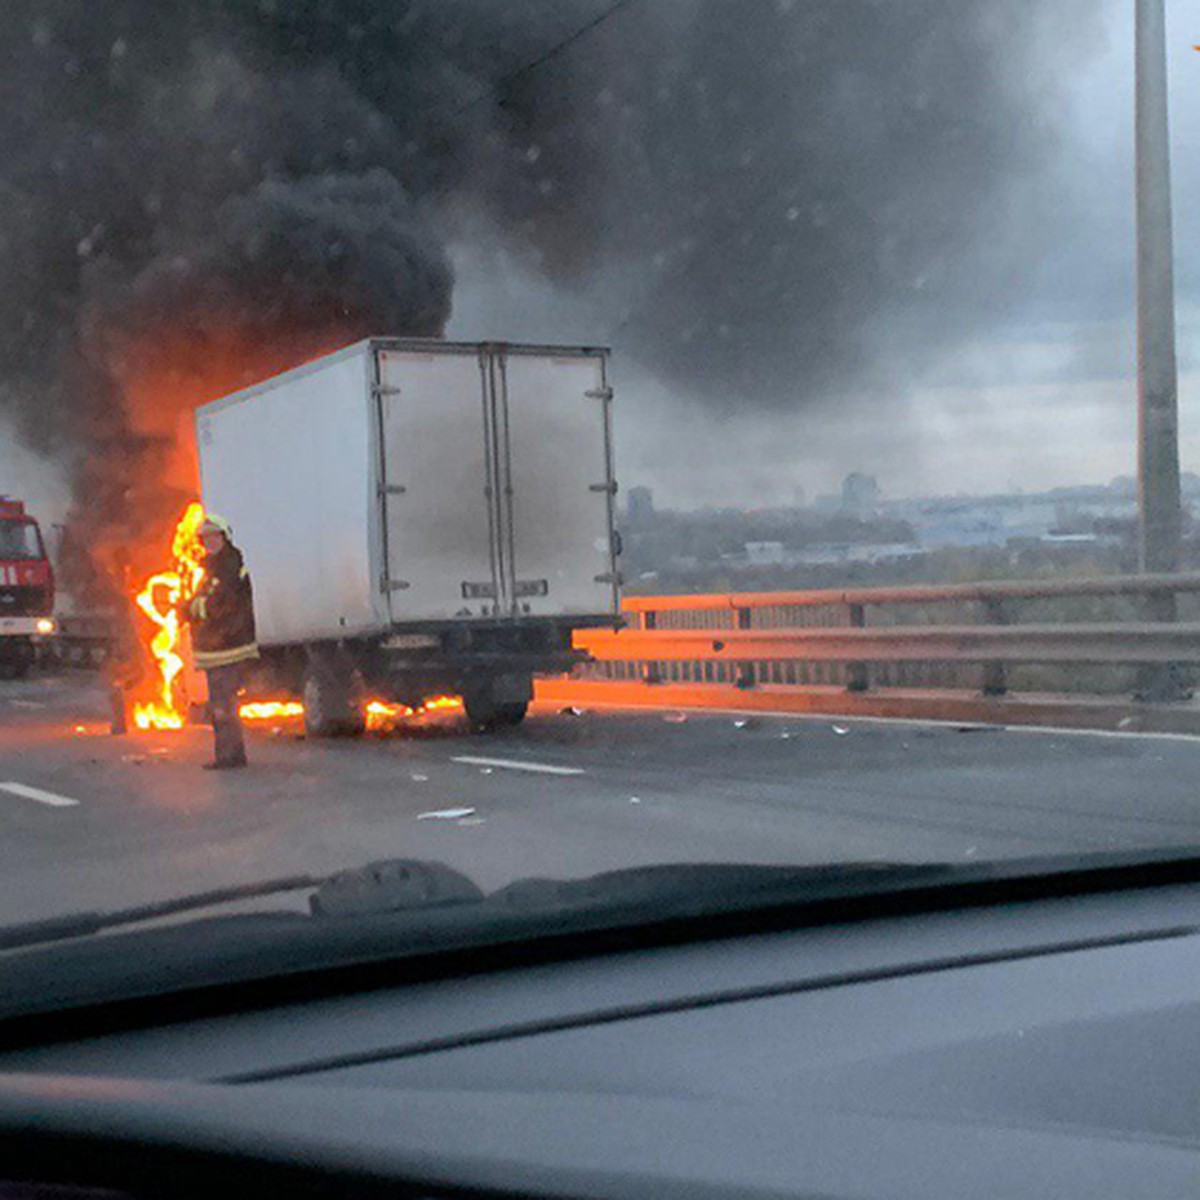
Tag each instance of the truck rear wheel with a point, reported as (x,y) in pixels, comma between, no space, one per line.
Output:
(329,708)
(486,716)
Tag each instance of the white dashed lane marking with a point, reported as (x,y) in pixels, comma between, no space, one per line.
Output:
(514,764)
(31,793)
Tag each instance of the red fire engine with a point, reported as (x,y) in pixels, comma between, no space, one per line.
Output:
(26,589)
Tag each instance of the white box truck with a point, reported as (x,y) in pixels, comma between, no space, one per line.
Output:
(420,517)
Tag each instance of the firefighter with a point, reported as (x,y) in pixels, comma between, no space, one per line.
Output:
(221,615)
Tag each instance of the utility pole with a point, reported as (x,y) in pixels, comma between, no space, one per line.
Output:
(1158,409)
(1159,508)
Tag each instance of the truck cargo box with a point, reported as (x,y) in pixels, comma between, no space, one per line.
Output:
(404,484)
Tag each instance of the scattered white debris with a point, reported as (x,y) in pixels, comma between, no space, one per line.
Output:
(1126,722)
(446,814)
(676,718)
(420,779)
(840,730)
(970,852)
(486,770)
(740,724)
(471,821)
(635,799)
(785,735)
(572,711)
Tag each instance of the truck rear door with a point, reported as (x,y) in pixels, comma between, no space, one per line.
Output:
(556,466)
(435,485)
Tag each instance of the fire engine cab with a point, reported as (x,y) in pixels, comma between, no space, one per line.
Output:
(26,589)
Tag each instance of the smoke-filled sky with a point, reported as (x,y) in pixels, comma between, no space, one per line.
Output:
(821,235)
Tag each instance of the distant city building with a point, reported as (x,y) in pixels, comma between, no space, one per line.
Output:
(776,554)
(1063,513)
(639,504)
(860,495)
(764,554)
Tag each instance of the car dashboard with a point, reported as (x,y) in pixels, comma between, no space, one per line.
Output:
(1016,1050)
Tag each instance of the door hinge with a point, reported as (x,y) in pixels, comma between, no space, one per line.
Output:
(390,489)
(393,585)
(604,393)
(384,389)
(609,489)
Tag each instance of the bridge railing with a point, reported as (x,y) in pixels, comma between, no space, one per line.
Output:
(950,636)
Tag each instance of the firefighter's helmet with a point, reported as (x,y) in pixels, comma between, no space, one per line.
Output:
(214,523)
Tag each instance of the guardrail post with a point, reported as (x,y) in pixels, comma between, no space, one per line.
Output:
(1162,683)
(650,673)
(745,674)
(995,680)
(858,678)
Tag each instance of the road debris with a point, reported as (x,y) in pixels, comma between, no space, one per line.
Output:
(471,821)
(420,778)
(572,711)
(675,718)
(635,799)
(446,814)
(840,730)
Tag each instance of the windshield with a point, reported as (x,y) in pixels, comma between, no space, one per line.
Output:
(562,437)
(19,539)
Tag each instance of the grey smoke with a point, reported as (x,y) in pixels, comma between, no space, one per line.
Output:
(797,198)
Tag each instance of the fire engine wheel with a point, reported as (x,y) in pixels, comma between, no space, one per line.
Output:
(486,716)
(15,665)
(329,710)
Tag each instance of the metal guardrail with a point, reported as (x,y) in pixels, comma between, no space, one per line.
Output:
(752,638)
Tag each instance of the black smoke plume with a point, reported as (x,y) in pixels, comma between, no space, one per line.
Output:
(773,202)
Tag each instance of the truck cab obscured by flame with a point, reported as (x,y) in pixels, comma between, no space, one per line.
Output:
(26,588)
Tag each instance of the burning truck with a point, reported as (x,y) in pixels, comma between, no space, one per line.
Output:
(26,589)
(426,524)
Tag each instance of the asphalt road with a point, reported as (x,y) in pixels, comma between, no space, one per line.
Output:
(92,821)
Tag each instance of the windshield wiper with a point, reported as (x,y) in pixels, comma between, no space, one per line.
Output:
(405,885)
(83,924)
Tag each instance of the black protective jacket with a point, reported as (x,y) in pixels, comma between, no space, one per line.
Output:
(222,613)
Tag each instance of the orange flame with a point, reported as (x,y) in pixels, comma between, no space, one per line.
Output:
(172,586)
(270,710)
(382,715)
(379,714)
